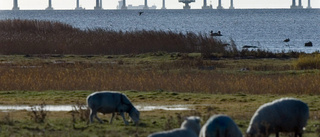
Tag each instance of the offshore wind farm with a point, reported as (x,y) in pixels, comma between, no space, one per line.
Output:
(124,5)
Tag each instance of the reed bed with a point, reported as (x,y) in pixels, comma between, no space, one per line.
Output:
(48,37)
(25,37)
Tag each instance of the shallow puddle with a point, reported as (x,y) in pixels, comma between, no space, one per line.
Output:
(7,108)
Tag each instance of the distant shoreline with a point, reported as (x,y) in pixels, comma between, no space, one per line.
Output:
(158,9)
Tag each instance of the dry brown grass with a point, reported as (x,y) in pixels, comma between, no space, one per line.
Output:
(308,61)
(47,37)
(184,74)
(123,76)
(27,37)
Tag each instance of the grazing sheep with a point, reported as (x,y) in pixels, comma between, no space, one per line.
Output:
(220,126)
(111,102)
(282,115)
(189,128)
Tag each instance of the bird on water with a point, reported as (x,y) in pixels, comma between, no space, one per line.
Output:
(286,40)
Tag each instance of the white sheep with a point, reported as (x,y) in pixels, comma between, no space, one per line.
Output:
(220,126)
(189,128)
(111,102)
(282,115)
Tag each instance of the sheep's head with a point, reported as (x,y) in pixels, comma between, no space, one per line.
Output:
(193,123)
(252,130)
(134,115)
(258,130)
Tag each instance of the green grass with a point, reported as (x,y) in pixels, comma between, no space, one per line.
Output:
(239,106)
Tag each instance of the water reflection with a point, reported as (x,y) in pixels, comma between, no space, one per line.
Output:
(6,108)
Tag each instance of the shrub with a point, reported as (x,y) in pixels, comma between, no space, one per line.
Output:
(80,111)
(38,113)
(7,119)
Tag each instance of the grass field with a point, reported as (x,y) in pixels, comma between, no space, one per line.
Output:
(212,86)
(239,106)
(152,71)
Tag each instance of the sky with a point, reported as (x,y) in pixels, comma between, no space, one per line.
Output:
(170,4)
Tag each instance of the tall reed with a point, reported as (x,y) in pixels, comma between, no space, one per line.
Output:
(48,37)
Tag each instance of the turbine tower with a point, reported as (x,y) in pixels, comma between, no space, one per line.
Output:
(124,7)
(49,6)
(309,4)
(163,4)
(15,5)
(219,5)
(231,4)
(205,5)
(186,2)
(98,6)
(293,6)
(77,6)
(300,5)
(145,4)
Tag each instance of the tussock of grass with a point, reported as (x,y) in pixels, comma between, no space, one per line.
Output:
(308,62)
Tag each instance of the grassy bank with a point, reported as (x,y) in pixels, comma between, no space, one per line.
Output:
(239,106)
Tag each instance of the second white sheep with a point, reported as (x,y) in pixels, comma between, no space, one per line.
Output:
(220,126)
(189,128)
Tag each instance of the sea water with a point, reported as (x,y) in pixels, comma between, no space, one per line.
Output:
(265,28)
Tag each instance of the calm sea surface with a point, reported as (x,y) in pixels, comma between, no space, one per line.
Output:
(263,28)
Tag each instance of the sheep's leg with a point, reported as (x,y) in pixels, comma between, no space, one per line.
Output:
(277,134)
(91,115)
(94,113)
(298,134)
(111,118)
(124,119)
(98,118)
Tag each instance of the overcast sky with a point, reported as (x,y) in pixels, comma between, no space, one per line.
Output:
(170,4)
